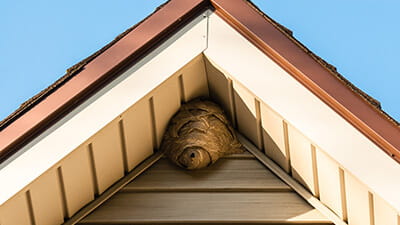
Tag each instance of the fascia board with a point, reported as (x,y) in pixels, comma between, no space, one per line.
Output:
(246,64)
(107,104)
(94,73)
(313,73)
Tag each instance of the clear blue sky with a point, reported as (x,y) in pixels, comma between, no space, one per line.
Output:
(40,39)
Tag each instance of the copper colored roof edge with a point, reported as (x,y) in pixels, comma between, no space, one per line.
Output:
(332,69)
(93,73)
(73,70)
(359,109)
(70,72)
(374,135)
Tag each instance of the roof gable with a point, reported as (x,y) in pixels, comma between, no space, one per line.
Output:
(270,37)
(90,75)
(235,58)
(94,135)
(313,73)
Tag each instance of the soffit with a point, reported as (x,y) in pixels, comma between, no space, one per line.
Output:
(260,80)
(102,108)
(235,83)
(313,74)
(269,36)
(93,73)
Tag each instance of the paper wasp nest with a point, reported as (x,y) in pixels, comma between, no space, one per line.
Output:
(198,135)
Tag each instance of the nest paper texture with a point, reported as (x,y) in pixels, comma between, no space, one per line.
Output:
(198,135)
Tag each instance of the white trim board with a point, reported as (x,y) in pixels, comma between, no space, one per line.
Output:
(244,63)
(351,149)
(59,140)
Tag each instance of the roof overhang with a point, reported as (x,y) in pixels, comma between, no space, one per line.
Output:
(268,36)
(228,50)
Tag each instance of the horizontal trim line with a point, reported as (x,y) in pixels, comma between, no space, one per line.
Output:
(213,222)
(179,190)
(234,156)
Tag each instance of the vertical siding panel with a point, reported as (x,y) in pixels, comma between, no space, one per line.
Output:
(62,192)
(153,124)
(384,213)
(398,219)
(194,79)
(138,133)
(46,199)
(182,93)
(167,100)
(371,208)
(30,206)
(357,201)
(301,159)
(232,105)
(315,170)
(329,183)
(260,136)
(343,194)
(274,137)
(107,155)
(123,143)
(78,183)
(15,211)
(246,115)
(219,87)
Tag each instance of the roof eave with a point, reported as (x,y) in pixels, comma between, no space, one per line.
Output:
(289,54)
(96,73)
(275,43)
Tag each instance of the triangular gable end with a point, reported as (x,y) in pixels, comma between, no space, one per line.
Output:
(237,189)
(274,98)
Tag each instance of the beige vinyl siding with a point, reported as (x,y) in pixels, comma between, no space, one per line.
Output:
(138,133)
(16,210)
(301,157)
(246,115)
(330,184)
(273,110)
(270,84)
(275,137)
(107,105)
(235,189)
(105,157)
(106,149)
(77,180)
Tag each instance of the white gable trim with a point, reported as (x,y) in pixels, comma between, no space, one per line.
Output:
(83,122)
(259,82)
(329,131)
